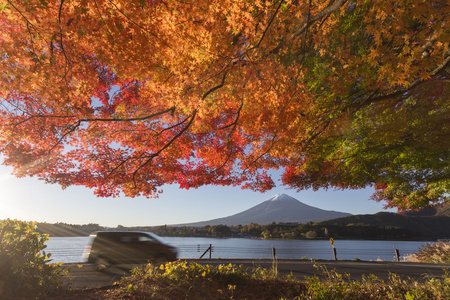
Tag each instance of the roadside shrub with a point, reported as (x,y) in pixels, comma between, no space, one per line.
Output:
(183,280)
(336,286)
(24,269)
(432,253)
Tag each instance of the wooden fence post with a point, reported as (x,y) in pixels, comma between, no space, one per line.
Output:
(209,249)
(397,254)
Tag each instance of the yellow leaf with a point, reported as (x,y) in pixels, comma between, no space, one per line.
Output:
(425,76)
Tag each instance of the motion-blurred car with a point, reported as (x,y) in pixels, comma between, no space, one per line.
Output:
(127,247)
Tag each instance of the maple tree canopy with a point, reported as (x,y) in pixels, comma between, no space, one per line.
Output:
(125,96)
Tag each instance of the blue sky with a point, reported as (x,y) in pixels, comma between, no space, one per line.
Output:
(30,199)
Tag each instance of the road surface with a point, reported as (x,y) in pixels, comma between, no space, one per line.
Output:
(86,276)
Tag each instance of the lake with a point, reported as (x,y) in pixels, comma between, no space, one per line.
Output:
(70,249)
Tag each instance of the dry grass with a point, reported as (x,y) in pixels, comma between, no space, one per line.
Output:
(432,253)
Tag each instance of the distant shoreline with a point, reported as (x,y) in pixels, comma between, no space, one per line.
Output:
(346,239)
(337,229)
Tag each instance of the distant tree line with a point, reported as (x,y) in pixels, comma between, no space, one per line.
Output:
(290,231)
(253,230)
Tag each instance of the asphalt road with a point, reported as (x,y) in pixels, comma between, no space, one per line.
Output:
(86,276)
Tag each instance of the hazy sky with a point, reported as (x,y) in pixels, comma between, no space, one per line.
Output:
(30,199)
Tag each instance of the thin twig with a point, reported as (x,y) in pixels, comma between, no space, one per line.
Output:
(151,157)
(260,156)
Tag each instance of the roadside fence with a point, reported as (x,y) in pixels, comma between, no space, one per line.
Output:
(201,250)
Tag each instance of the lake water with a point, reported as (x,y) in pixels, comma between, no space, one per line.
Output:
(70,249)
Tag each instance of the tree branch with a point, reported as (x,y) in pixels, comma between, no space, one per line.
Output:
(325,12)
(26,20)
(173,126)
(104,22)
(71,129)
(272,142)
(171,110)
(329,9)
(211,90)
(59,13)
(414,84)
(229,137)
(265,30)
(134,23)
(151,157)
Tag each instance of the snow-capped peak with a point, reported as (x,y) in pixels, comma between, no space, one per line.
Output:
(279,197)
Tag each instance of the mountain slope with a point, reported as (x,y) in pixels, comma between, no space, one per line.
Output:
(280,208)
(439,210)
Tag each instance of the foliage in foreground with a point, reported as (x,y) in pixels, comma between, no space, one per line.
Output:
(182,280)
(338,286)
(432,253)
(24,269)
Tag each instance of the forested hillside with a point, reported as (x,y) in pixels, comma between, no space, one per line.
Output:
(427,227)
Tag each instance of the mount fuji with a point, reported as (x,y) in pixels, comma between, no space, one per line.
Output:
(279,208)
